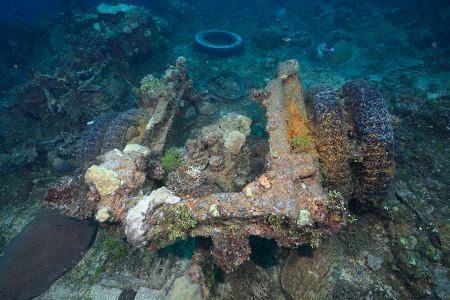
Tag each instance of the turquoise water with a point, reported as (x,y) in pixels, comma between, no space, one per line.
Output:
(284,166)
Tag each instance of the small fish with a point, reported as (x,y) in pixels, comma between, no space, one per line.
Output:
(328,48)
(286,39)
(19,13)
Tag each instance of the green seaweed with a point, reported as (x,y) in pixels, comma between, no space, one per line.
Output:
(301,143)
(170,160)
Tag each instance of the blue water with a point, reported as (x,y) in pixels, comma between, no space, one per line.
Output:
(30,7)
(58,73)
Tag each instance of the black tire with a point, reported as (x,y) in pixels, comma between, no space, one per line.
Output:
(218,43)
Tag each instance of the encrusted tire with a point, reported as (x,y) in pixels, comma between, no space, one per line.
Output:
(108,132)
(367,110)
(331,134)
(117,134)
(218,42)
(90,144)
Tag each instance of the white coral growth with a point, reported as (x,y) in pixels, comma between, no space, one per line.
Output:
(194,172)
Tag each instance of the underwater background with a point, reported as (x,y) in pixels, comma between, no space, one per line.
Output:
(181,149)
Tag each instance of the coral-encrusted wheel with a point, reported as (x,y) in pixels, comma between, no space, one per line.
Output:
(365,107)
(331,134)
(366,154)
(218,42)
(90,144)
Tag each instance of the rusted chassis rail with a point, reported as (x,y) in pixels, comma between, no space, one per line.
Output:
(287,203)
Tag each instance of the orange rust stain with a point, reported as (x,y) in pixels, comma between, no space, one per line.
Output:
(189,204)
(142,131)
(296,121)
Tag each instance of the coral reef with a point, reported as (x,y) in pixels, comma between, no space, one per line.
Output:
(196,273)
(80,68)
(61,70)
(221,159)
(105,181)
(115,176)
(188,181)
(72,197)
(119,175)
(134,229)
(122,30)
(306,277)
(183,288)
(112,10)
